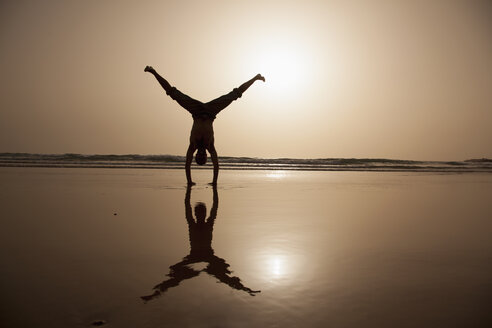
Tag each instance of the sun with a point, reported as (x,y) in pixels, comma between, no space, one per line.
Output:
(286,65)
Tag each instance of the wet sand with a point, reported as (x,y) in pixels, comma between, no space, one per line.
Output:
(275,249)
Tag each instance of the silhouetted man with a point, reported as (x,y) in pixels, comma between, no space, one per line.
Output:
(202,132)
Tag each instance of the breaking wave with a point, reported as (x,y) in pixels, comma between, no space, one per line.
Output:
(241,163)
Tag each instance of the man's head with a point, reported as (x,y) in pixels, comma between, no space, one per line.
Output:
(201,156)
(200,212)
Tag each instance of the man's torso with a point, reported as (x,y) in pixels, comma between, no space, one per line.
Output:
(202,132)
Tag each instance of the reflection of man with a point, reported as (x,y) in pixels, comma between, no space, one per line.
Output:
(200,234)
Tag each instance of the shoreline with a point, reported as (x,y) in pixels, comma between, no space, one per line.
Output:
(257,168)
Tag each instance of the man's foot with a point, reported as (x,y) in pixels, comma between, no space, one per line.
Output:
(191,183)
(149,69)
(260,77)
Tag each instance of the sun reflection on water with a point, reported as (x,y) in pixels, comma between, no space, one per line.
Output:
(278,266)
(277,174)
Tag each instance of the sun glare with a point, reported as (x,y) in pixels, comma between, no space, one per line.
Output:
(286,66)
(277,174)
(277,266)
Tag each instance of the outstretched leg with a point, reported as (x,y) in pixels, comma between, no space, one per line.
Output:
(164,84)
(243,87)
(191,105)
(216,105)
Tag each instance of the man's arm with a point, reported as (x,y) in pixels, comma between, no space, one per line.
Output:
(215,161)
(215,207)
(188,211)
(189,159)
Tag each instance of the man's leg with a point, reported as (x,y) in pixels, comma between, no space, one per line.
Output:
(179,272)
(164,84)
(216,105)
(191,105)
(243,87)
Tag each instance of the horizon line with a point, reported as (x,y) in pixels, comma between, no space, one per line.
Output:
(477,159)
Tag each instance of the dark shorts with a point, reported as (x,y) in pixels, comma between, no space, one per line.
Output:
(197,108)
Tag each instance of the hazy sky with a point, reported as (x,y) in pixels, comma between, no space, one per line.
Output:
(409,79)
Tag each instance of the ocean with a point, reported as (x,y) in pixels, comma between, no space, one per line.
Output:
(242,163)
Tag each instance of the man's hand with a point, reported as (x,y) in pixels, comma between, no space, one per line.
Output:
(260,77)
(149,69)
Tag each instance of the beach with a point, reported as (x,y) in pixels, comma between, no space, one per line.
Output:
(277,248)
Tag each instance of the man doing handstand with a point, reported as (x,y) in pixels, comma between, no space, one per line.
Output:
(202,132)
